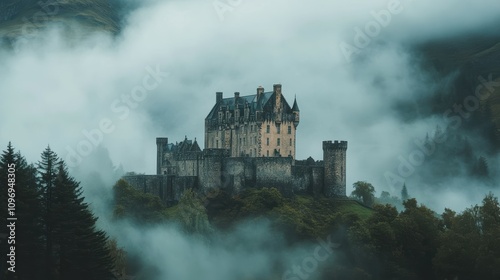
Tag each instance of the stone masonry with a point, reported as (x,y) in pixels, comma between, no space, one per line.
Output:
(237,154)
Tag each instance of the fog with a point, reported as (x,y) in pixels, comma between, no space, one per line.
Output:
(58,89)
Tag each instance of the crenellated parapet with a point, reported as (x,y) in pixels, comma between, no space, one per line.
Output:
(336,145)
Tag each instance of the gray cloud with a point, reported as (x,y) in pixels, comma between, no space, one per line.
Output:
(54,88)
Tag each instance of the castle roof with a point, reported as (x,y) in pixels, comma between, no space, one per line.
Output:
(184,146)
(265,104)
(295,107)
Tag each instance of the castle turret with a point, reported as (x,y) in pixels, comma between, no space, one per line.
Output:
(296,113)
(161,147)
(334,159)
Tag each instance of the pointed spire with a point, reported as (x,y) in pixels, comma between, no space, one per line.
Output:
(295,107)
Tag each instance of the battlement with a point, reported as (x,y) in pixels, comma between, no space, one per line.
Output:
(336,145)
(161,140)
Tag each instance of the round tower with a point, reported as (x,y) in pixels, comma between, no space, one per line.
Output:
(334,160)
(161,147)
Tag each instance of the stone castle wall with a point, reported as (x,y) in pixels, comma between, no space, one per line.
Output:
(212,170)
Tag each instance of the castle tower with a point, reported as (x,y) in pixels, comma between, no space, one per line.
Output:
(161,147)
(334,159)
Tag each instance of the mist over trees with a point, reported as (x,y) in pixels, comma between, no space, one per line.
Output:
(380,242)
(384,237)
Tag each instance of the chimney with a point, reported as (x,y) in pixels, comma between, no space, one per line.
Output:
(277,92)
(218,97)
(260,91)
(277,88)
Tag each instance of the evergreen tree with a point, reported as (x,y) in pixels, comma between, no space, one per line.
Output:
(83,251)
(6,158)
(47,174)
(481,168)
(404,193)
(29,234)
(29,247)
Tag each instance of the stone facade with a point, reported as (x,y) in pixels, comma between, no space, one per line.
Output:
(256,125)
(233,165)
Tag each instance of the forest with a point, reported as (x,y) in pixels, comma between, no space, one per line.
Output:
(385,237)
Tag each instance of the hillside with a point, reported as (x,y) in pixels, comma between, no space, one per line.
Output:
(24,17)
(366,243)
(302,217)
(468,56)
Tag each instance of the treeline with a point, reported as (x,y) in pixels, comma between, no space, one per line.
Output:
(55,232)
(417,243)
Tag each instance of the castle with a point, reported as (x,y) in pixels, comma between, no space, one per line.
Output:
(249,142)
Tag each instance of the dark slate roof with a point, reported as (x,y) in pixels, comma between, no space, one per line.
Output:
(184,146)
(295,107)
(248,100)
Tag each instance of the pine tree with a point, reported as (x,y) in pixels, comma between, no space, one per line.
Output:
(6,159)
(83,251)
(481,169)
(47,174)
(29,246)
(404,193)
(29,234)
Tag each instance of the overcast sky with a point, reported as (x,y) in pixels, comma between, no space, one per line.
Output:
(54,88)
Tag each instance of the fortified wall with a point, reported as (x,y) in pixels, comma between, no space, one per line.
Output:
(249,143)
(183,166)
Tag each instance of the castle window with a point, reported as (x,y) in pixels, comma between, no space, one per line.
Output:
(268,129)
(217,144)
(278,128)
(267,141)
(279,141)
(267,153)
(289,129)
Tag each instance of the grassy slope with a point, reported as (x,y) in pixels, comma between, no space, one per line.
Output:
(302,215)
